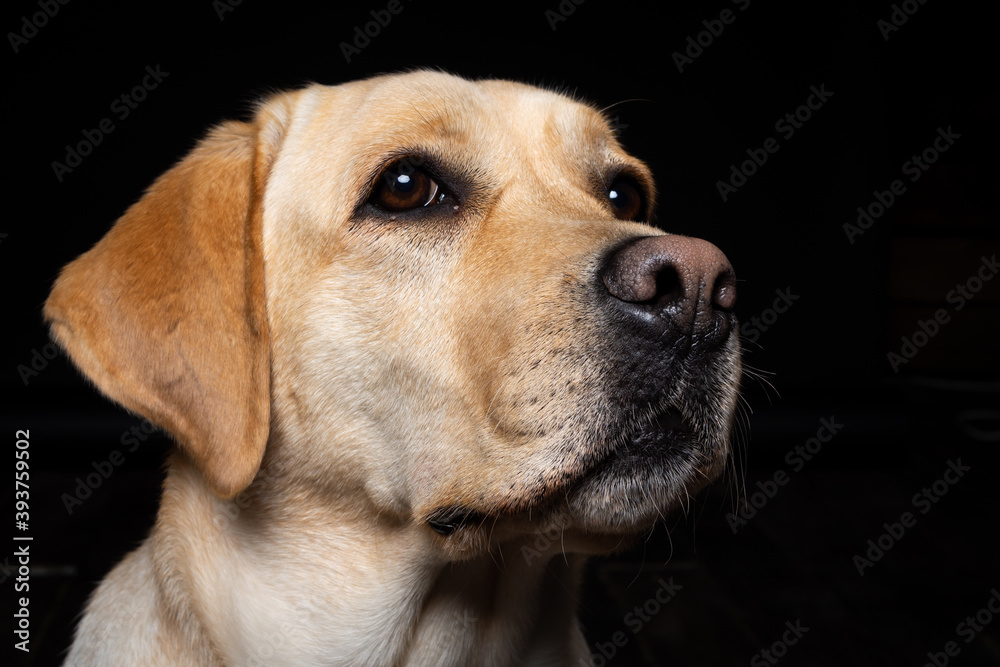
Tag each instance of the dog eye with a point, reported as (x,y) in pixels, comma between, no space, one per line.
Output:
(403,187)
(627,202)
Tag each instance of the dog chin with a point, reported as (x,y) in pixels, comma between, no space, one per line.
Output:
(641,480)
(650,474)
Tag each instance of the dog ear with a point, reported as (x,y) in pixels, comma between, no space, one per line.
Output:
(166,313)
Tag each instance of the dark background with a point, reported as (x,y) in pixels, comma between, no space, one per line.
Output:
(824,358)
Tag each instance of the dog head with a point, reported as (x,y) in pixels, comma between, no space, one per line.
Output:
(434,297)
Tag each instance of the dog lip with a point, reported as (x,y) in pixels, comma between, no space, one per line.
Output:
(651,439)
(671,420)
(665,423)
(645,472)
(446,520)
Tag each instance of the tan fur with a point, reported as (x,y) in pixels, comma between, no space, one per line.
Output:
(332,380)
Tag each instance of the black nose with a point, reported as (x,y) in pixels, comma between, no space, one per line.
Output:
(672,282)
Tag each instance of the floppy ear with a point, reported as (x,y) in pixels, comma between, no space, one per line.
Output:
(166,313)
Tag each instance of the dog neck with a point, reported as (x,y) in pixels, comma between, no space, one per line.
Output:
(287,587)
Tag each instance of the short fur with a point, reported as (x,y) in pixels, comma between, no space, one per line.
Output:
(376,414)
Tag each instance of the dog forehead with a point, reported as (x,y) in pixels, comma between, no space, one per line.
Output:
(425,109)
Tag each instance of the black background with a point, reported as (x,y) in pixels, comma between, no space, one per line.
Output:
(826,357)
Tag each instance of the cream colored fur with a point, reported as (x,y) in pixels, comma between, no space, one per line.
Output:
(332,380)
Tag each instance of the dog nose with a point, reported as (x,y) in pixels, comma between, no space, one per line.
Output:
(674,280)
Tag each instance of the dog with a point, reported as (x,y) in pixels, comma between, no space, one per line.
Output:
(398,328)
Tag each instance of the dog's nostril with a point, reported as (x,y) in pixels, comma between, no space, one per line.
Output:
(668,286)
(724,291)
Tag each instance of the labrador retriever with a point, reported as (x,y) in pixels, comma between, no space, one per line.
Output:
(398,328)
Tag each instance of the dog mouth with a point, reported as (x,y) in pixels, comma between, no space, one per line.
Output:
(657,436)
(654,468)
(651,467)
(619,467)
(648,443)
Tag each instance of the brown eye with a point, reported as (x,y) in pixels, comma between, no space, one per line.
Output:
(626,200)
(403,187)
